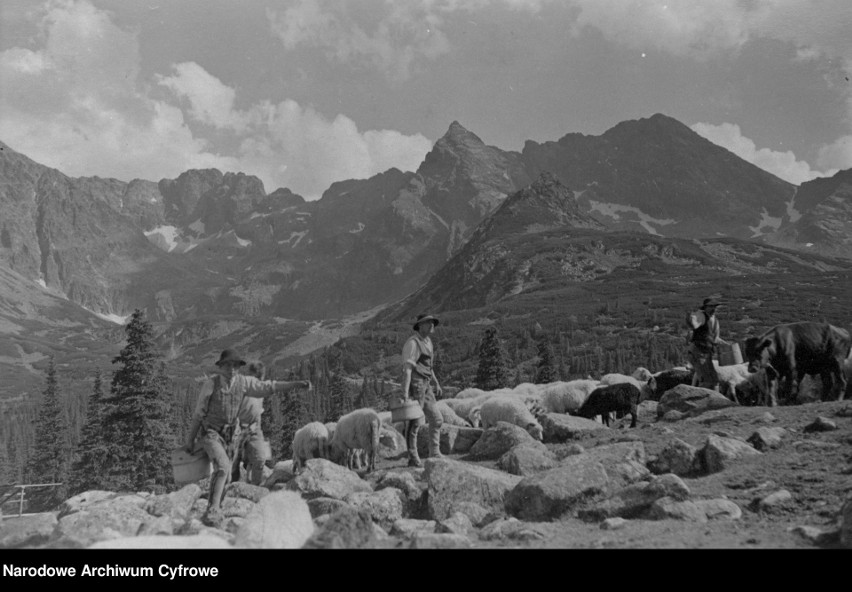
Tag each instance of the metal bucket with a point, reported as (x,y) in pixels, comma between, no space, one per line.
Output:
(730,354)
(405,410)
(189,468)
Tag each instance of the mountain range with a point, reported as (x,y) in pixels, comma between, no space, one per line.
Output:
(214,259)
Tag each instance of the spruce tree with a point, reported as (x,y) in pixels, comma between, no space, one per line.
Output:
(49,460)
(492,372)
(547,370)
(92,452)
(294,414)
(137,431)
(340,400)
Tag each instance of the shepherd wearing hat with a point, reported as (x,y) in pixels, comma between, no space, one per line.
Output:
(217,415)
(703,342)
(417,380)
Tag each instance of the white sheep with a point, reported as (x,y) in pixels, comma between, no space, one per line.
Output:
(468,393)
(511,410)
(475,416)
(463,407)
(567,397)
(358,429)
(310,441)
(449,416)
(729,377)
(642,374)
(387,438)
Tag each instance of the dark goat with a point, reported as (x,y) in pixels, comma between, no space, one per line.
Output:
(623,398)
(668,379)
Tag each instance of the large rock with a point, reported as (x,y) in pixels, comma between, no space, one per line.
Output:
(499,439)
(719,509)
(408,527)
(478,515)
(552,493)
(635,499)
(458,523)
(624,461)
(27,531)
(452,482)
(198,541)
(403,481)
(323,478)
(561,427)
(385,506)
(246,491)
(119,517)
(677,457)
(454,439)
(86,499)
(527,459)
(719,452)
(176,505)
(691,400)
(765,438)
(347,528)
(281,520)
(671,509)
(236,507)
(282,472)
(325,505)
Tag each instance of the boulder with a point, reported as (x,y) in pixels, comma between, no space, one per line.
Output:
(246,491)
(555,492)
(821,424)
(197,541)
(161,525)
(282,472)
(121,516)
(27,531)
(635,499)
(347,528)
(719,509)
(719,452)
(671,509)
(560,427)
(454,439)
(511,528)
(427,540)
(624,462)
(613,523)
(408,527)
(281,520)
(499,439)
(84,500)
(325,505)
(527,459)
(385,507)
(404,481)
(235,507)
(765,438)
(691,400)
(673,416)
(478,515)
(323,478)
(458,523)
(176,505)
(451,482)
(775,499)
(676,457)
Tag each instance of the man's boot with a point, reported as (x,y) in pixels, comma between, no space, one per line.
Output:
(435,442)
(411,442)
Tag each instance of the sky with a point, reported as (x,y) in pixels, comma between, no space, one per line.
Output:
(304,93)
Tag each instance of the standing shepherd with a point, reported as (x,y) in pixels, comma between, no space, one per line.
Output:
(703,343)
(217,414)
(417,379)
(252,450)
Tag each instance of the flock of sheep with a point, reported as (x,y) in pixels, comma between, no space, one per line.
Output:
(354,439)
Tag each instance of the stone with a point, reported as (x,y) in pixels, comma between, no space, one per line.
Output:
(510,528)
(526,459)
(845,411)
(624,462)
(176,505)
(668,508)
(325,505)
(118,517)
(719,509)
(691,400)
(573,449)
(347,528)
(451,482)
(27,531)
(765,438)
(821,424)
(552,493)
(458,523)
(816,535)
(247,491)
(561,427)
(719,452)
(408,527)
(499,439)
(676,457)
(780,497)
(673,416)
(323,478)
(235,507)
(161,525)
(478,515)
(197,541)
(613,523)
(426,540)
(281,520)
(84,500)
(282,472)
(765,418)
(385,506)
(454,439)
(635,499)
(648,408)
(402,480)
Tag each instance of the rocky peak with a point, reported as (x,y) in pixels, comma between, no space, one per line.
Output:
(182,195)
(282,198)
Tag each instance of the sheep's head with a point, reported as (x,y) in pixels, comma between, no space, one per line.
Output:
(475,417)
(642,374)
(387,439)
(536,431)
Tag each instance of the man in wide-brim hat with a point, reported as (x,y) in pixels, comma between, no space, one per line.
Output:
(418,376)
(217,415)
(703,342)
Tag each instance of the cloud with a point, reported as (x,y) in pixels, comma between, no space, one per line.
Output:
(76,102)
(837,155)
(781,164)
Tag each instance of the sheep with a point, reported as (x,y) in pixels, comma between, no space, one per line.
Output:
(358,429)
(645,389)
(513,411)
(359,455)
(729,377)
(469,393)
(642,374)
(450,417)
(567,397)
(463,407)
(622,398)
(668,379)
(475,416)
(756,389)
(310,441)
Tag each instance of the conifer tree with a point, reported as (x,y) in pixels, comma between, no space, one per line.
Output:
(294,414)
(92,452)
(492,372)
(49,460)
(340,400)
(547,369)
(137,430)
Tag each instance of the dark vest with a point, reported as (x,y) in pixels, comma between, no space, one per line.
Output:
(702,337)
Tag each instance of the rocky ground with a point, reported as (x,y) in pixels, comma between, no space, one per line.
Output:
(696,472)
